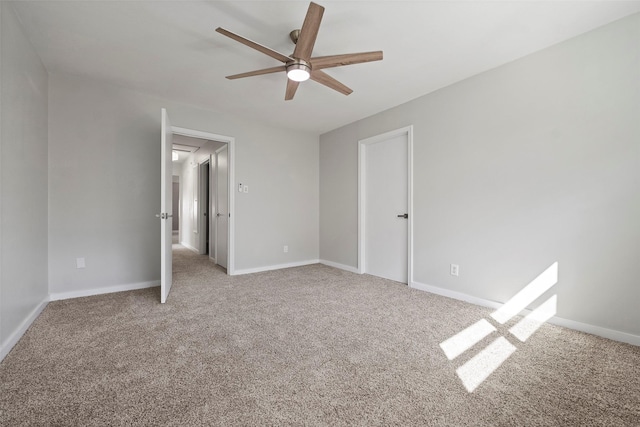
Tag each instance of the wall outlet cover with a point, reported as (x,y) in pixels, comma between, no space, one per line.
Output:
(455,270)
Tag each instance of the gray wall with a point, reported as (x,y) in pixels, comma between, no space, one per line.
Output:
(104,183)
(534,162)
(23,178)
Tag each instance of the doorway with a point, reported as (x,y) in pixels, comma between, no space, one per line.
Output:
(204,206)
(195,180)
(385,207)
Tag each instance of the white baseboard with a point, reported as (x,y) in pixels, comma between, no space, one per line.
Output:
(340,266)
(188,246)
(455,295)
(106,290)
(596,330)
(559,321)
(275,267)
(13,339)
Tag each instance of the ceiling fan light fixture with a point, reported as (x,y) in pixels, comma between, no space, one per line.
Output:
(301,65)
(298,71)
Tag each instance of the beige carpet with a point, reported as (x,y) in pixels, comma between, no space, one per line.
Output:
(303,346)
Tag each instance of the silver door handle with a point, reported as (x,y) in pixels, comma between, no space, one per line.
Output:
(163,215)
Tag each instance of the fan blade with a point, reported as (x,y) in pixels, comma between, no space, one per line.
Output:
(309,32)
(257,46)
(325,79)
(258,72)
(321,62)
(292,86)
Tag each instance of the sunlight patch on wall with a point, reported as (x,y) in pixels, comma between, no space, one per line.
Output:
(527,295)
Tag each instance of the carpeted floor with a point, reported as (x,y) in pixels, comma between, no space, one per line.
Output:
(303,346)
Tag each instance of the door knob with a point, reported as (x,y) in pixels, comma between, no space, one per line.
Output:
(403,216)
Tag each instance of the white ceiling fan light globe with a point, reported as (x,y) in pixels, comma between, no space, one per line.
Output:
(298,71)
(298,75)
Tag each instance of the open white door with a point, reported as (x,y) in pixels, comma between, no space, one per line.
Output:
(166,208)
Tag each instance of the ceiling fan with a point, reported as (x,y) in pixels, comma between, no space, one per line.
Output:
(300,65)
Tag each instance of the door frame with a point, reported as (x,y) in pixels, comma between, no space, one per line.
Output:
(214,158)
(362,185)
(231,145)
(213,194)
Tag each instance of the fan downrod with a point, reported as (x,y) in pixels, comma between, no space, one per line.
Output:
(295,34)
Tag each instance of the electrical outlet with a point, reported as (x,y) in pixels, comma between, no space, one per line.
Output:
(80,263)
(455,270)
(286,249)
(246,188)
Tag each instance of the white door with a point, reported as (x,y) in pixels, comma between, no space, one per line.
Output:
(166,211)
(386,203)
(222,206)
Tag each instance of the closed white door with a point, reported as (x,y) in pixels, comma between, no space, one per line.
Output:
(166,210)
(222,206)
(386,208)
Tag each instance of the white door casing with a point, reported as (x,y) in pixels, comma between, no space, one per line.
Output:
(385,244)
(166,211)
(222,205)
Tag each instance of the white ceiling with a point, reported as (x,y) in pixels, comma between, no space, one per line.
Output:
(191,145)
(201,148)
(170,48)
